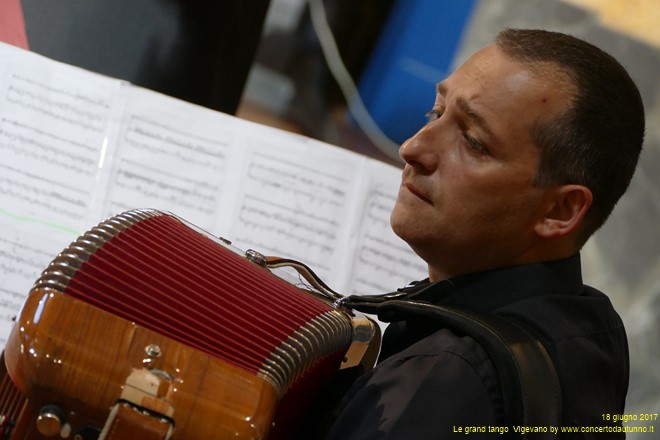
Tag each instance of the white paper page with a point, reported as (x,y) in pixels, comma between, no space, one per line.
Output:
(53,127)
(294,199)
(169,155)
(383,262)
(26,248)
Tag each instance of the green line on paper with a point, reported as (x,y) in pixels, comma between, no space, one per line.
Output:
(24,219)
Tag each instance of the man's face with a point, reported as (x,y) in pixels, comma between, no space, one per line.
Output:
(467,200)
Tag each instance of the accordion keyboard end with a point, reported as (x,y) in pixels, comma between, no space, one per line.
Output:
(366,344)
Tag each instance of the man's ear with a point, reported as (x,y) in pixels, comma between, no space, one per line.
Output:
(566,208)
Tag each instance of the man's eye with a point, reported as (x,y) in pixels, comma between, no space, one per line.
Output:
(433,115)
(475,145)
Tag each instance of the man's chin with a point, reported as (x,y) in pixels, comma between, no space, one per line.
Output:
(397,225)
(404,230)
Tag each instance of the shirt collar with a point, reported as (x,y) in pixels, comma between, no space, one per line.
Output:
(489,290)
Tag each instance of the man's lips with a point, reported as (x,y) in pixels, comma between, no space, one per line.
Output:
(410,187)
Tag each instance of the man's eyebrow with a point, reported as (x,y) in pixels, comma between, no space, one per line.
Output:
(465,107)
(471,113)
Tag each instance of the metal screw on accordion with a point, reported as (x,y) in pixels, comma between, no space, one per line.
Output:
(50,420)
(256,257)
(153,351)
(224,240)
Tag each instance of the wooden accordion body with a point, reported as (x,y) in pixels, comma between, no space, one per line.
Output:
(146,327)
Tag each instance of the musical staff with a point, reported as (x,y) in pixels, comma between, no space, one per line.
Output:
(171,156)
(305,229)
(38,146)
(55,162)
(393,258)
(298,201)
(58,103)
(383,261)
(31,193)
(10,304)
(25,262)
(379,207)
(23,256)
(53,124)
(300,181)
(188,149)
(52,129)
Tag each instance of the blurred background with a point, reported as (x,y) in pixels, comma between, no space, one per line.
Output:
(361,74)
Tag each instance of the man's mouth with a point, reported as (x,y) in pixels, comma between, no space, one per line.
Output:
(418,194)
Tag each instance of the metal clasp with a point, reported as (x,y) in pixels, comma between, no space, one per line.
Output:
(256,257)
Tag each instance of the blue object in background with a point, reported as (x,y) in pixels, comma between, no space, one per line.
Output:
(415,51)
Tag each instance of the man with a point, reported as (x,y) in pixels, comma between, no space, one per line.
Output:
(529,146)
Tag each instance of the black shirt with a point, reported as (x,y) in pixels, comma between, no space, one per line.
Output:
(430,383)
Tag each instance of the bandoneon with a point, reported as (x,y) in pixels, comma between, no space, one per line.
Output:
(146,327)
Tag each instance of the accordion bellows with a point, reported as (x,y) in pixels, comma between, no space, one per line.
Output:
(144,298)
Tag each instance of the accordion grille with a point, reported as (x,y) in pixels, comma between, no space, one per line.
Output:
(150,268)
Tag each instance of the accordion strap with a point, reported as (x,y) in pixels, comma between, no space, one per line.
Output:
(528,379)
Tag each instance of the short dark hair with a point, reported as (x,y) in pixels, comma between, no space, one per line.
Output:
(597,142)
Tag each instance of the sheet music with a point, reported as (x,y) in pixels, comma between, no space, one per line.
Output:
(53,126)
(170,155)
(27,245)
(294,200)
(53,130)
(76,147)
(383,262)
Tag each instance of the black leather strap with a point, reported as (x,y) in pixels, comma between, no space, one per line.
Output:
(529,382)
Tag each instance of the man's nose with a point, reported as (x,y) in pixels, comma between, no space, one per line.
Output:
(421,150)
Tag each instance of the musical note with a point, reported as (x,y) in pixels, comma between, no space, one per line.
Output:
(157,139)
(52,130)
(31,193)
(383,261)
(295,200)
(171,155)
(57,103)
(25,251)
(38,146)
(277,174)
